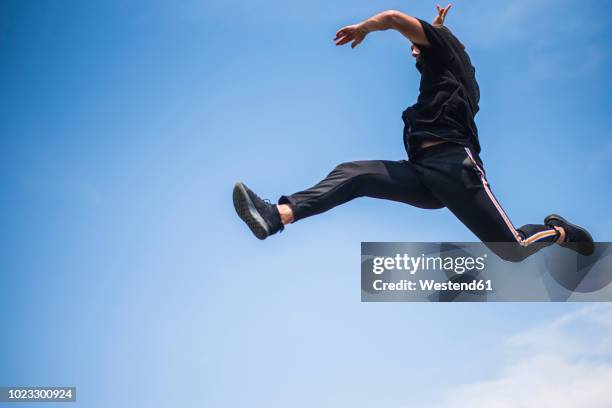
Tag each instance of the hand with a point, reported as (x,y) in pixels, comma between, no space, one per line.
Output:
(355,33)
(439,20)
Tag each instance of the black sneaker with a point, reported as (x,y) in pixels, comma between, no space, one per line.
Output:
(261,216)
(576,238)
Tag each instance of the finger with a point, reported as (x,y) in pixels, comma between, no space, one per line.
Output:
(341,32)
(446,9)
(349,35)
(355,43)
(343,41)
(438,8)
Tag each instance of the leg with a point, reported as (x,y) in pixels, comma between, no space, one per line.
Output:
(457,179)
(389,180)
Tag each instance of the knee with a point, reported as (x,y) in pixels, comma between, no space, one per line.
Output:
(350,168)
(352,176)
(349,172)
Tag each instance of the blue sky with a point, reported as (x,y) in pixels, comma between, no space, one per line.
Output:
(126,273)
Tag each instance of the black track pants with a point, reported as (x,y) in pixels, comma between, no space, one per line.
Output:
(445,175)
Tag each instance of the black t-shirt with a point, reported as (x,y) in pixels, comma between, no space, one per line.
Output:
(449,94)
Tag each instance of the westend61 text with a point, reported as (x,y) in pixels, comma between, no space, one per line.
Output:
(431,285)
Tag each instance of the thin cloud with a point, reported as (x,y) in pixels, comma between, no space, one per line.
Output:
(566,363)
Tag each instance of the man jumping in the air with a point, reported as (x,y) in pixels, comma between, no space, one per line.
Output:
(444,167)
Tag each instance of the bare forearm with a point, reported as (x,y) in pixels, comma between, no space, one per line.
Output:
(379,22)
(407,25)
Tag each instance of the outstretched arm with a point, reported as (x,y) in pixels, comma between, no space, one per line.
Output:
(408,26)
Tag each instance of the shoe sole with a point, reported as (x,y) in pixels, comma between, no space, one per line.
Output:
(248,213)
(574,245)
